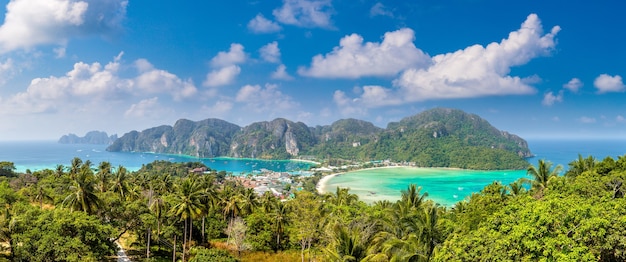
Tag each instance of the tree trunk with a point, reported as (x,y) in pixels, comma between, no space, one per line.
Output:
(148,246)
(203,218)
(190,231)
(184,239)
(174,255)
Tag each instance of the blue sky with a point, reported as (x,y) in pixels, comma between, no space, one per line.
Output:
(539,69)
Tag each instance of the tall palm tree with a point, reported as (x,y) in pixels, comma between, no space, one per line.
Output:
(119,183)
(280,215)
(75,166)
(103,175)
(342,197)
(542,175)
(187,205)
(83,194)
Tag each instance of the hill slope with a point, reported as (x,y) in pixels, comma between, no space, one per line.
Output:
(439,137)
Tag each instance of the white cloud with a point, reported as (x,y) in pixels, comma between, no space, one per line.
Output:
(573,85)
(265,100)
(262,25)
(475,71)
(347,106)
(620,119)
(59,52)
(380,10)
(353,58)
(270,52)
(89,87)
(305,13)
(550,98)
(234,56)
(153,81)
(281,73)
(222,76)
(606,83)
(143,108)
(587,120)
(480,71)
(29,23)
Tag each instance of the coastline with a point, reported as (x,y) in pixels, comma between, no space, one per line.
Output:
(322,184)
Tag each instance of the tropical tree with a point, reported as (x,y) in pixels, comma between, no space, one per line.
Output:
(542,175)
(103,175)
(120,183)
(187,205)
(580,166)
(83,195)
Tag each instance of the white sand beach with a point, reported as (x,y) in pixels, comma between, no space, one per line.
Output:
(321,185)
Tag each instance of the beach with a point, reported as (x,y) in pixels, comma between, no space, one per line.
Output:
(321,185)
(445,186)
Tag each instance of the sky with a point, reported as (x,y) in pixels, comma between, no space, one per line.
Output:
(538,69)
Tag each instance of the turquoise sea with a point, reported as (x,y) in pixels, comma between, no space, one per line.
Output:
(448,186)
(48,154)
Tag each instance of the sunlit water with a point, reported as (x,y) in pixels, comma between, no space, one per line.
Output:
(448,186)
(42,155)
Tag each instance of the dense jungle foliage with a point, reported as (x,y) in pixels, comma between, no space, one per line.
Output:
(76,213)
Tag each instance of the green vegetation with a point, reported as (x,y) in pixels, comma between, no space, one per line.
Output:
(435,138)
(76,213)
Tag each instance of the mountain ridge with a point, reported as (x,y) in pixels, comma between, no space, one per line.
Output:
(440,137)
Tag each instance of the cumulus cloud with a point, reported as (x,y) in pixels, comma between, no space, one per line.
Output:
(281,73)
(347,106)
(29,23)
(270,52)
(475,71)
(573,85)
(222,76)
(550,98)
(87,84)
(305,13)
(354,59)
(220,108)
(480,71)
(266,99)
(235,55)
(380,10)
(606,83)
(261,25)
(152,81)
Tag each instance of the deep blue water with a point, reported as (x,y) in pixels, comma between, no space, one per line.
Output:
(41,155)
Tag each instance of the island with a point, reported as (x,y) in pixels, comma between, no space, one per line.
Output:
(440,137)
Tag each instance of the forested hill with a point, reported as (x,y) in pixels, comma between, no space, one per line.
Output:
(439,137)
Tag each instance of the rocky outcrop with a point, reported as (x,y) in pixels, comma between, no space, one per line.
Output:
(92,137)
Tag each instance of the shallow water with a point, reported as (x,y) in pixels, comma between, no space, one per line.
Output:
(444,186)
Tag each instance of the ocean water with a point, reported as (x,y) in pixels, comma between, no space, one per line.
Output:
(41,155)
(448,186)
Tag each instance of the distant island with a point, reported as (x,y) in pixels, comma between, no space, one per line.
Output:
(92,137)
(440,137)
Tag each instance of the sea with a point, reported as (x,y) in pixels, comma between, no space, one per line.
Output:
(444,186)
(39,155)
(449,186)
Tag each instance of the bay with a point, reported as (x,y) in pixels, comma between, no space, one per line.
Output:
(448,186)
(38,155)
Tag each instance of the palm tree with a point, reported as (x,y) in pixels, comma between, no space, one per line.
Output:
(248,201)
(580,166)
(103,174)
(412,196)
(41,194)
(542,175)
(187,205)
(75,166)
(516,187)
(83,196)
(120,184)
(280,216)
(342,197)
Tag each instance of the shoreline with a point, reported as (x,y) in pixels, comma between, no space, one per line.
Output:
(322,184)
